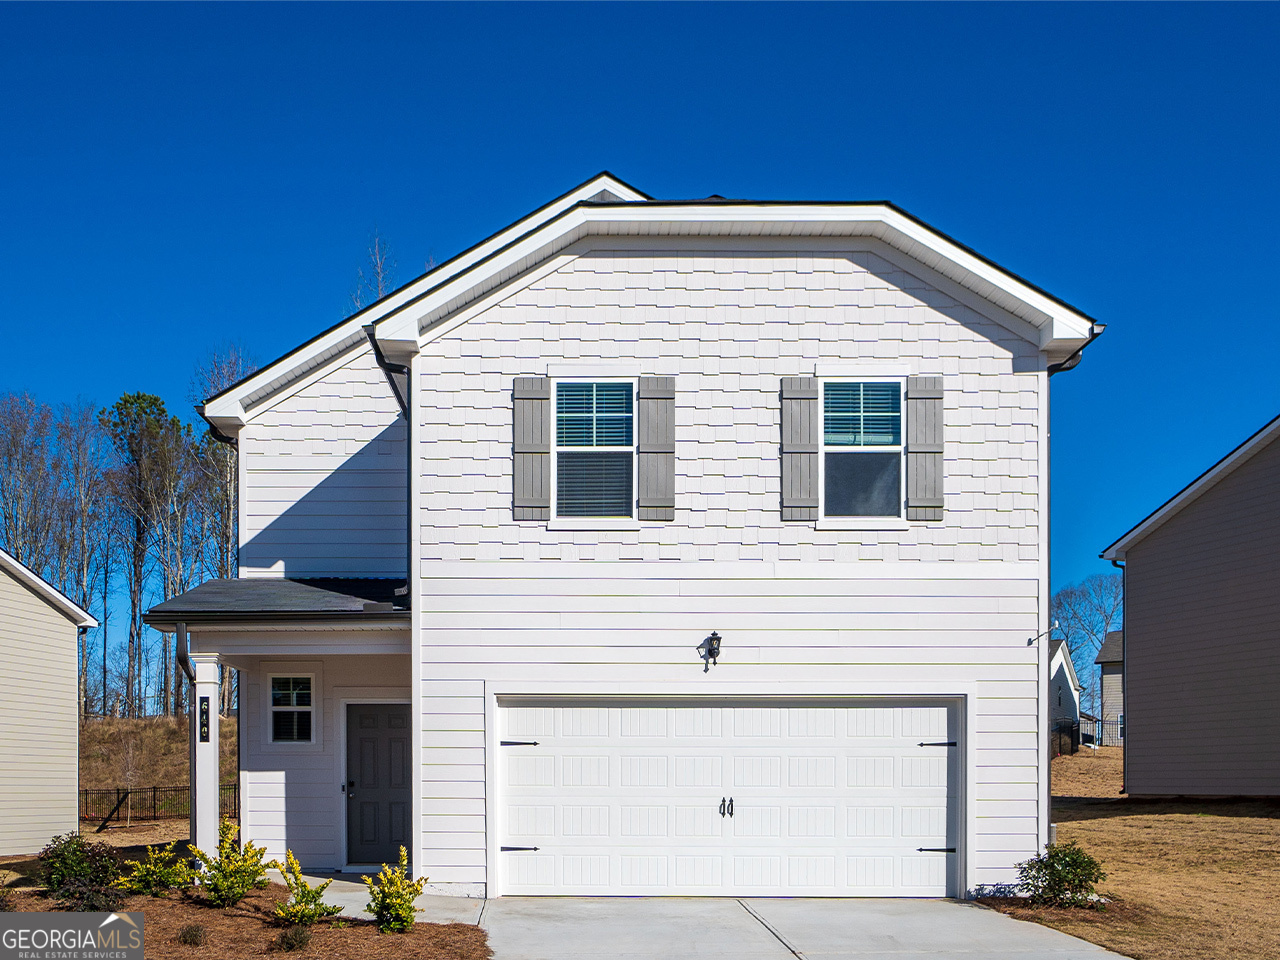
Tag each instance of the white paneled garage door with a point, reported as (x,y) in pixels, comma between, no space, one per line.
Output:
(803,798)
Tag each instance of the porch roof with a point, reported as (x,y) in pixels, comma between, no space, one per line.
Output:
(277,598)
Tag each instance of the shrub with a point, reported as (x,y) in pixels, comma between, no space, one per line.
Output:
(72,859)
(392,894)
(227,878)
(1063,876)
(192,935)
(294,938)
(86,897)
(161,871)
(6,899)
(306,904)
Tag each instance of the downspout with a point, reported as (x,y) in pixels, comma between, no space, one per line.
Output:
(1124,661)
(393,370)
(1095,331)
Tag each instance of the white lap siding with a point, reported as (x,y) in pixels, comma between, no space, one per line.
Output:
(323,479)
(941,608)
(292,796)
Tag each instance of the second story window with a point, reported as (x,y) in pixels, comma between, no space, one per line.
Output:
(594,449)
(862,449)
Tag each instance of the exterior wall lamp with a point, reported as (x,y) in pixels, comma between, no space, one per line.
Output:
(709,650)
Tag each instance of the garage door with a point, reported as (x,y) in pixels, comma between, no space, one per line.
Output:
(804,798)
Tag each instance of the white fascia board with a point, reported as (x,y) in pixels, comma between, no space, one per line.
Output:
(1059,327)
(1202,484)
(231,409)
(1065,653)
(52,595)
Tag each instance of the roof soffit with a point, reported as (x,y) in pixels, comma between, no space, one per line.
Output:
(1057,327)
(230,408)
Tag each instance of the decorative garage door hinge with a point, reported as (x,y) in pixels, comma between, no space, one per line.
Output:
(511,849)
(918,849)
(517,743)
(939,743)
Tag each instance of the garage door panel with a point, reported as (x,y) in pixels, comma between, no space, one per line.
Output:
(829,798)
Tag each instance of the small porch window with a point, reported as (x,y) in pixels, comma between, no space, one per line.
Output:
(292,710)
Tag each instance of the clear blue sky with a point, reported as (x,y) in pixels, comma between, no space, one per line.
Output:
(173,177)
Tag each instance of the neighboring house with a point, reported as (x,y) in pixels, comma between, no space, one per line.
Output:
(1110,661)
(815,434)
(1202,632)
(1064,686)
(39,710)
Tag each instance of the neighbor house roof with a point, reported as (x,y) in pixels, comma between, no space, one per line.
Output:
(1199,486)
(273,598)
(1112,649)
(46,591)
(605,206)
(1057,644)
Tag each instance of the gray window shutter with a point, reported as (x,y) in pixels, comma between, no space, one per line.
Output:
(924,448)
(656,448)
(800,419)
(531,487)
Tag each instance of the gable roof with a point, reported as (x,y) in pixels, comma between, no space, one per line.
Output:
(228,409)
(607,206)
(1112,649)
(1196,488)
(1056,646)
(1057,328)
(46,591)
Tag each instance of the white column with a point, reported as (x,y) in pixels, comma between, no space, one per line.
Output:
(204,773)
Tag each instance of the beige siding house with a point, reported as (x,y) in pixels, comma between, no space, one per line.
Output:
(39,726)
(1110,661)
(1202,632)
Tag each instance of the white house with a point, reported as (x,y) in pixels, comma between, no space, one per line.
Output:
(487,522)
(39,709)
(1064,685)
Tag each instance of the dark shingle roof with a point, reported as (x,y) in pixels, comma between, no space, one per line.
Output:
(273,598)
(1112,648)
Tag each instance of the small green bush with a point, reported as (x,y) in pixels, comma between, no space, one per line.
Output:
(227,878)
(306,903)
(294,938)
(192,935)
(1063,876)
(160,872)
(72,859)
(391,896)
(83,896)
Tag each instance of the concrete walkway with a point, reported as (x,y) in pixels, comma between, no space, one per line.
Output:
(674,928)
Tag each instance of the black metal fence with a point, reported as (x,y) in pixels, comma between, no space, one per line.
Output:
(1102,733)
(152,803)
(1064,737)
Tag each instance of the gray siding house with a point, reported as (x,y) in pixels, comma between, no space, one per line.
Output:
(1202,632)
(39,725)
(1110,661)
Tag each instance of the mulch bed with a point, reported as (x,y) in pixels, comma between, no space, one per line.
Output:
(249,930)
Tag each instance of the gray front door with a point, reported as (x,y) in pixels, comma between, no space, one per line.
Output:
(378,798)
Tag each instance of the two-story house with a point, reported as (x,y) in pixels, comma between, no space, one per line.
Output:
(647,547)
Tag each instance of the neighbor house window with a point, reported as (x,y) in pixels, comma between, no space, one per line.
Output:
(292,710)
(862,451)
(594,449)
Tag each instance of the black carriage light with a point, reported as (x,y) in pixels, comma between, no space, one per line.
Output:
(709,650)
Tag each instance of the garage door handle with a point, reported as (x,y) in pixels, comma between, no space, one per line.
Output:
(731,806)
(722,806)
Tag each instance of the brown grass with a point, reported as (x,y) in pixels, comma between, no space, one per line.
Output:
(248,930)
(146,752)
(1190,880)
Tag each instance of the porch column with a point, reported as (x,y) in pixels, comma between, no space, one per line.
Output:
(204,757)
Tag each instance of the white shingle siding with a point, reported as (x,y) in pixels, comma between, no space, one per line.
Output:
(324,479)
(940,609)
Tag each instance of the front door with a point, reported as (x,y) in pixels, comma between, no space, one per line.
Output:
(378,798)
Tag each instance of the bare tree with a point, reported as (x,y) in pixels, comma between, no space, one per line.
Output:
(28,479)
(1086,612)
(377,277)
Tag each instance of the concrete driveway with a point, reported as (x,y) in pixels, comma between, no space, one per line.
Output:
(674,928)
(569,928)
